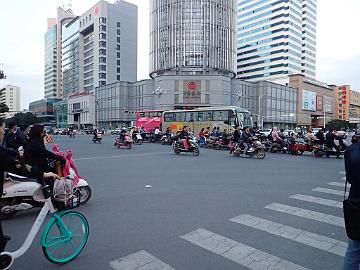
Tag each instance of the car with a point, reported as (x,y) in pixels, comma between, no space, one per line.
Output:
(342,133)
(115,131)
(316,130)
(289,132)
(265,132)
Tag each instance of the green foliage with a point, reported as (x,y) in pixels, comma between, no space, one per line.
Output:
(337,124)
(3,108)
(23,119)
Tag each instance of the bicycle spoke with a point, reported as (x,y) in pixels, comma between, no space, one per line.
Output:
(64,250)
(77,235)
(77,227)
(73,246)
(56,249)
(68,228)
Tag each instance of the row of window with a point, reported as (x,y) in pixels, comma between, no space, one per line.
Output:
(264,75)
(268,34)
(199,116)
(262,15)
(264,7)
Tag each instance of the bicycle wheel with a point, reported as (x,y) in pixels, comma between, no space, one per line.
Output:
(62,244)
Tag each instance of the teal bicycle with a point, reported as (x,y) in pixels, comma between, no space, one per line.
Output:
(64,236)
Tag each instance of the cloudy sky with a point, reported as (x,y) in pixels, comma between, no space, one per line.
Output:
(23,24)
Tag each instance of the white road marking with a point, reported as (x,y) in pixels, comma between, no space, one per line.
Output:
(140,260)
(330,191)
(317,200)
(342,172)
(337,184)
(134,155)
(305,213)
(237,252)
(304,237)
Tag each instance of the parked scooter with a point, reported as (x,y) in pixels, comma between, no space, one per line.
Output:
(20,192)
(179,147)
(256,149)
(127,142)
(167,138)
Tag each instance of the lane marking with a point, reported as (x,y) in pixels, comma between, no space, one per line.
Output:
(330,191)
(134,155)
(342,172)
(138,261)
(305,213)
(242,254)
(304,237)
(338,184)
(312,199)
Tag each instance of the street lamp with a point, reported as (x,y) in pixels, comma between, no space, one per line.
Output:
(97,103)
(158,92)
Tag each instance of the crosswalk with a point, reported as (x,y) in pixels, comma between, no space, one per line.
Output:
(250,256)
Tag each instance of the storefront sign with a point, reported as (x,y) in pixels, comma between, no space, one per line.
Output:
(192,92)
(309,101)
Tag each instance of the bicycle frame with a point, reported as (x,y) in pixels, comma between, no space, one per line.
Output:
(48,206)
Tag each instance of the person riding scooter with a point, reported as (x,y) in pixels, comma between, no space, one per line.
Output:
(321,136)
(123,131)
(277,139)
(330,142)
(246,136)
(184,137)
(9,164)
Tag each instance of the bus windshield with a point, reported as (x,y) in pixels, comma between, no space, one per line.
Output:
(245,119)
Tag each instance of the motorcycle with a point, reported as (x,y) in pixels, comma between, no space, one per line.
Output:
(127,142)
(323,150)
(297,147)
(20,192)
(97,138)
(179,147)
(167,139)
(137,138)
(276,147)
(256,149)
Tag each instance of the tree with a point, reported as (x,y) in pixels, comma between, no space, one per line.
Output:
(23,119)
(3,108)
(337,124)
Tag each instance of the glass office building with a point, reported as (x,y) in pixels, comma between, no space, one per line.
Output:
(276,38)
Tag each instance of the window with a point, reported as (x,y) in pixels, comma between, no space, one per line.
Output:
(169,117)
(118,70)
(180,116)
(118,62)
(118,47)
(118,24)
(102,36)
(102,28)
(102,43)
(220,116)
(118,77)
(102,68)
(118,31)
(102,52)
(102,20)
(102,59)
(102,75)
(118,39)
(118,56)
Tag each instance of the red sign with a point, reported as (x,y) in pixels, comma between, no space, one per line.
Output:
(96,10)
(192,86)
(319,103)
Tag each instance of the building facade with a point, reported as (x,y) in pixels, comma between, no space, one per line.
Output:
(61,113)
(315,101)
(192,37)
(53,36)
(10,95)
(276,39)
(81,110)
(347,104)
(44,110)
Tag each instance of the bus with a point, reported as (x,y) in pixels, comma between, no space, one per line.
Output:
(223,117)
(149,120)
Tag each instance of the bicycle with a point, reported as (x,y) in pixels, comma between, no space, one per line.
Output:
(61,240)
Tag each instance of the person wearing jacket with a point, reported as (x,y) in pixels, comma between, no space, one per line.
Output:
(330,141)
(10,137)
(246,135)
(21,136)
(36,153)
(184,136)
(9,164)
(237,134)
(352,168)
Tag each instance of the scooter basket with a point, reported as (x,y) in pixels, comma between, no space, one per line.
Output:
(66,196)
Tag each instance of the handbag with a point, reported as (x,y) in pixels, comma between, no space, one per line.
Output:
(351,208)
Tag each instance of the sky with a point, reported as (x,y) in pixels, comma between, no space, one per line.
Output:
(23,25)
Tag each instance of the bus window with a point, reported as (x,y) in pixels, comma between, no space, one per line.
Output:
(200,117)
(208,116)
(142,114)
(233,121)
(169,117)
(220,116)
(189,117)
(180,116)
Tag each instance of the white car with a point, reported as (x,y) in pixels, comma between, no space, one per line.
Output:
(265,132)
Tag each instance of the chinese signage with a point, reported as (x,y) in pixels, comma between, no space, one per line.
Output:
(319,103)
(309,101)
(192,92)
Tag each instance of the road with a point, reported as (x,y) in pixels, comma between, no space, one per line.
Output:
(209,212)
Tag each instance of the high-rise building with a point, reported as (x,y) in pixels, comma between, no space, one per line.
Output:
(276,38)
(10,95)
(53,36)
(347,104)
(192,37)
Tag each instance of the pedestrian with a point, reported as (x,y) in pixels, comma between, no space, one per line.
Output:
(10,137)
(352,168)
(21,135)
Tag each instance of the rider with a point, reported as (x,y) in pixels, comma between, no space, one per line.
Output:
(246,140)
(225,137)
(9,164)
(276,138)
(310,135)
(35,152)
(320,135)
(123,131)
(237,134)
(184,136)
(330,141)
(10,137)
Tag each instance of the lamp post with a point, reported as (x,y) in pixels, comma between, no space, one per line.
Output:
(158,92)
(97,103)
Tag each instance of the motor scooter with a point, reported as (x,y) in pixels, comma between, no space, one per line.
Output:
(256,149)
(127,142)
(97,138)
(167,138)
(19,192)
(179,147)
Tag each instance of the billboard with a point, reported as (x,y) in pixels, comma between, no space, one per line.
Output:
(309,101)
(319,103)
(192,92)
(328,104)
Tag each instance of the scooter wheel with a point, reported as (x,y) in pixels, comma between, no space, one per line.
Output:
(196,152)
(260,154)
(129,146)
(85,194)
(299,152)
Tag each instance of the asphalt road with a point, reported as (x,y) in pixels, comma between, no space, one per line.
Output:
(209,212)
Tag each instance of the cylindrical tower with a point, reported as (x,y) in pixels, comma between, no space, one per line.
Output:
(192,37)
